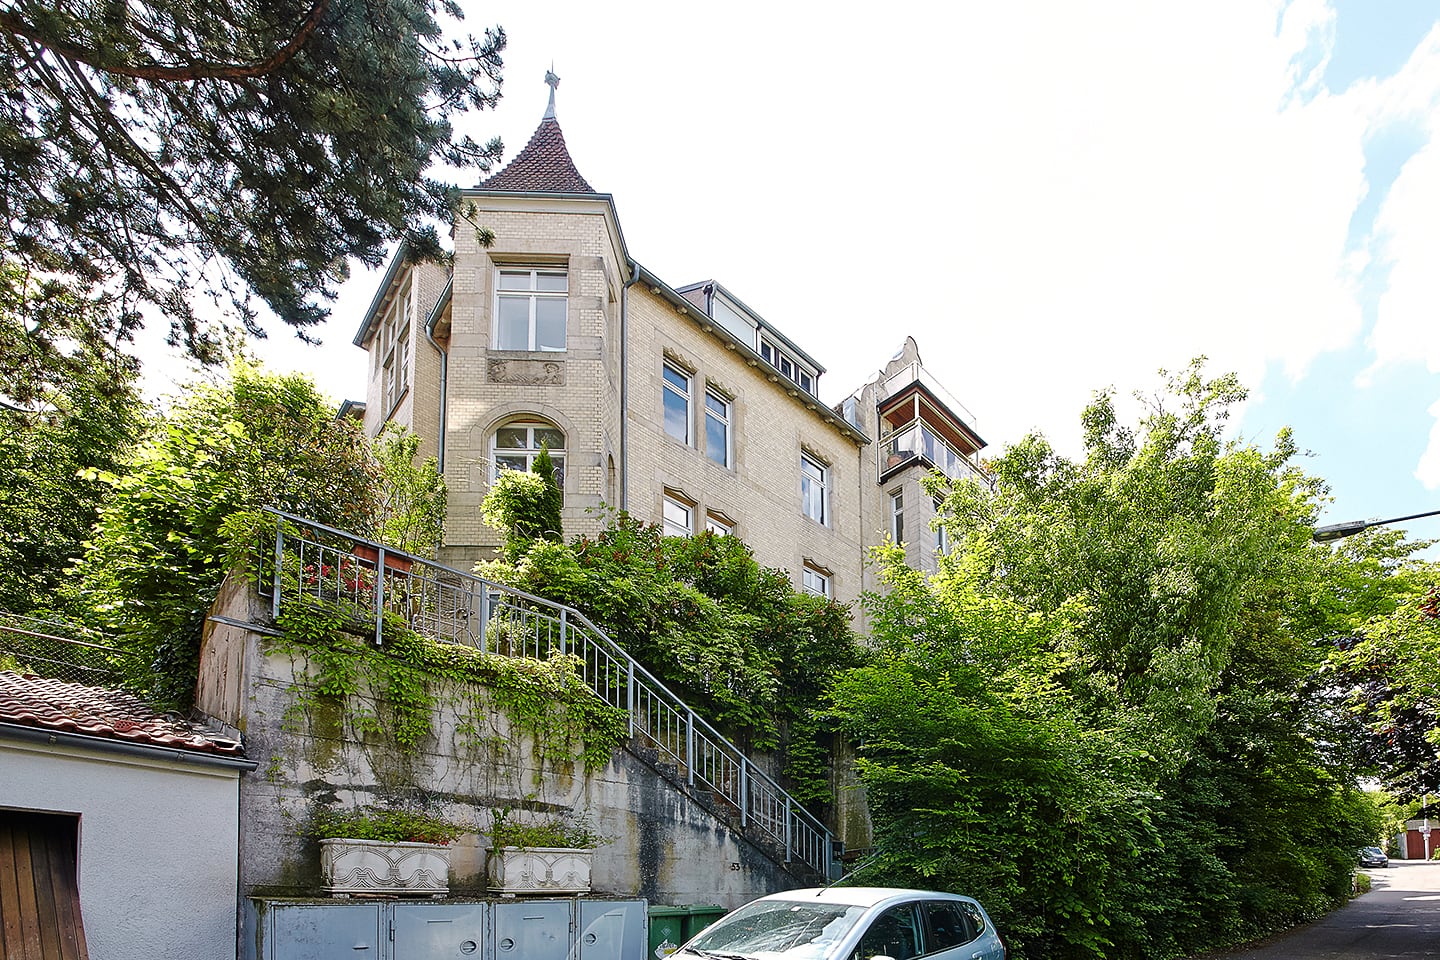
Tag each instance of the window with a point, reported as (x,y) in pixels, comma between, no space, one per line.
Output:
(942,536)
(789,368)
(893,934)
(717,428)
(530,308)
(897,517)
(516,445)
(814,581)
(676,403)
(814,489)
(976,918)
(395,350)
(677,517)
(945,926)
(719,524)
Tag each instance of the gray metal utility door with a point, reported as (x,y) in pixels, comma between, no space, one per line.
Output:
(323,931)
(532,930)
(611,931)
(439,931)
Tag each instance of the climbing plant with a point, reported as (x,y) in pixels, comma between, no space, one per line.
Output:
(410,676)
(735,639)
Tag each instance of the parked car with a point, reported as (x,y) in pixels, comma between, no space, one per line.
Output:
(851,923)
(1373,857)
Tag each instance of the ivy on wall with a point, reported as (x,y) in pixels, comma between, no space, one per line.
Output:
(410,677)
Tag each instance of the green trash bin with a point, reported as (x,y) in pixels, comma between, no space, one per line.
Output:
(667,929)
(699,916)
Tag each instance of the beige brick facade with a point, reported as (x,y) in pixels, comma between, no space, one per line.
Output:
(622,327)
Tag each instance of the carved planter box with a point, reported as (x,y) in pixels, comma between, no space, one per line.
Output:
(379,867)
(539,870)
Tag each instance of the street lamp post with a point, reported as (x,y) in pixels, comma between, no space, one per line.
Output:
(1335,531)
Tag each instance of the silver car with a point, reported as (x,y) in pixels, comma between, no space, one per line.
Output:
(851,923)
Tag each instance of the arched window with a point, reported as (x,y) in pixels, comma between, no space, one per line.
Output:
(516,445)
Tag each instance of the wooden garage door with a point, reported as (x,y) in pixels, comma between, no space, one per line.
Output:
(39,898)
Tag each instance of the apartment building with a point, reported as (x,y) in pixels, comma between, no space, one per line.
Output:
(682,405)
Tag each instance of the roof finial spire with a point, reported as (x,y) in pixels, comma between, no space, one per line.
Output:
(554,82)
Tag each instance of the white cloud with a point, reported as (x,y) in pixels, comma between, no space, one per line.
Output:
(1427,471)
(1052,197)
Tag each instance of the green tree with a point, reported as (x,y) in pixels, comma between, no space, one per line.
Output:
(736,640)
(1120,690)
(68,407)
(551,527)
(411,497)
(246,149)
(1392,670)
(183,509)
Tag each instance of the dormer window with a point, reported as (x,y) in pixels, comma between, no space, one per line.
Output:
(530,308)
(789,367)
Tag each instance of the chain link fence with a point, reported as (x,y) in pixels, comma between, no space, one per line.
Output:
(63,651)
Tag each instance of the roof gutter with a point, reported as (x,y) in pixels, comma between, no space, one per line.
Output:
(753,359)
(16,731)
(402,252)
(430,323)
(625,383)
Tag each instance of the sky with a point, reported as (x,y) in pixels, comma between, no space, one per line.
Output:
(1052,197)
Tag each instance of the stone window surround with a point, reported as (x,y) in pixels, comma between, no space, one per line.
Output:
(815,487)
(677,513)
(817,579)
(535,265)
(677,381)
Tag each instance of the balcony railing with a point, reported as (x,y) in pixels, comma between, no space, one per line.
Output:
(452,606)
(914,372)
(918,441)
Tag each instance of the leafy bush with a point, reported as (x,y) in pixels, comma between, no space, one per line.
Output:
(551,831)
(736,640)
(379,823)
(184,509)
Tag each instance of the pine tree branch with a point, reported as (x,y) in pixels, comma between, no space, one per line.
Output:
(12,23)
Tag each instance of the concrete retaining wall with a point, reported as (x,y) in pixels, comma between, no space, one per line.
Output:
(667,848)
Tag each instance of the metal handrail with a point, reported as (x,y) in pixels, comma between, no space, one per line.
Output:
(453,606)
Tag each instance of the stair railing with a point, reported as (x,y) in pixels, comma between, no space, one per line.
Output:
(452,606)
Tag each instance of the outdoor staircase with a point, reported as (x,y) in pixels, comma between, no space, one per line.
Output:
(452,606)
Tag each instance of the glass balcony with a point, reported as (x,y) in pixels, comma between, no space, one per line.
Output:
(917,440)
(916,373)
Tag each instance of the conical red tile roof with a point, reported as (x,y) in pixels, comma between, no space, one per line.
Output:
(544,166)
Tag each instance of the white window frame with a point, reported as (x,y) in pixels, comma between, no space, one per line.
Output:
(817,582)
(789,367)
(719,524)
(897,516)
(723,418)
(530,451)
(395,350)
(669,388)
(532,296)
(673,527)
(814,489)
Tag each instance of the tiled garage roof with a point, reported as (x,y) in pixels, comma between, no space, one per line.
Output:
(96,712)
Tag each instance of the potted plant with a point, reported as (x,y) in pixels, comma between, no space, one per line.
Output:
(544,857)
(379,851)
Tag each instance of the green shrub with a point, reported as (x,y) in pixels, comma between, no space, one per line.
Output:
(391,826)
(550,831)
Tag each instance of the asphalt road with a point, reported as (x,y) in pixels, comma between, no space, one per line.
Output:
(1399,917)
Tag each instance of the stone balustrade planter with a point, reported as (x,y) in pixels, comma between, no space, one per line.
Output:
(378,867)
(539,871)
